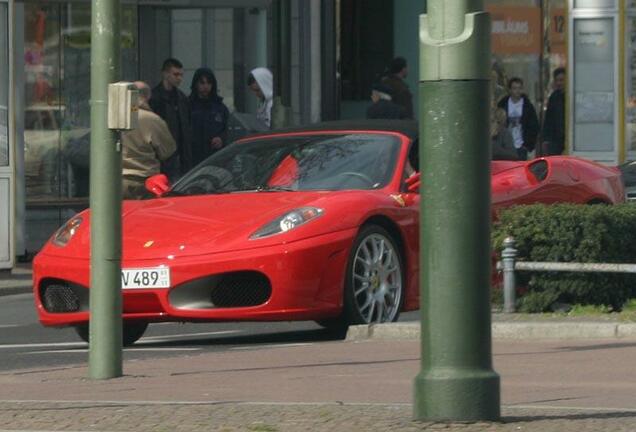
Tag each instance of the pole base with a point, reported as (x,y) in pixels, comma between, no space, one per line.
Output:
(457,395)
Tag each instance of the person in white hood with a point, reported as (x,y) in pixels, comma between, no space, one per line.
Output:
(261,82)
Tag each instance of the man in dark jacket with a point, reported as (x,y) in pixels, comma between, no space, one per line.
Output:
(522,122)
(209,115)
(173,107)
(382,106)
(554,119)
(398,71)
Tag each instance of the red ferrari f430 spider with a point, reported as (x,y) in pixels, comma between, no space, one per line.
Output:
(317,223)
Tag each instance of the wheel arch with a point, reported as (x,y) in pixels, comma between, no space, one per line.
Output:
(393,229)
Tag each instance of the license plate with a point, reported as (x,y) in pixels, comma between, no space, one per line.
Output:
(139,278)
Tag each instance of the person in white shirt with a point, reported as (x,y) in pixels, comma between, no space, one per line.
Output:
(261,82)
(522,122)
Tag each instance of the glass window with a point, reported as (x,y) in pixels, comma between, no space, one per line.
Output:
(516,47)
(630,88)
(4,85)
(42,77)
(366,45)
(594,86)
(57,81)
(595,4)
(555,51)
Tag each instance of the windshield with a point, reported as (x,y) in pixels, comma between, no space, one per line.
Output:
(296,163)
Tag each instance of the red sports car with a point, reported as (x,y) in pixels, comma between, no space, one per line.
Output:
(316,223)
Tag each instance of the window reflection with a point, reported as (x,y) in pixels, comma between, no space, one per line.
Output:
(355,161)
(4,86)
(57,91)
(630,86)
(516,45)
(595,4)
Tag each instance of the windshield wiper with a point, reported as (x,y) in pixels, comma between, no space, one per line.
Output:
(264,188)
(193,193)
(172,193)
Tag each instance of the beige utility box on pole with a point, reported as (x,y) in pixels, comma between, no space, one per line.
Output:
(123,106)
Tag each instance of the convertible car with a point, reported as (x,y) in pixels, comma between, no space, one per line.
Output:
(316,223)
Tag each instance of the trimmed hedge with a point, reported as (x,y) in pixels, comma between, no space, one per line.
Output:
(571,233)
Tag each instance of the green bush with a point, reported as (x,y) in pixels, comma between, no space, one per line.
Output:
(571,233)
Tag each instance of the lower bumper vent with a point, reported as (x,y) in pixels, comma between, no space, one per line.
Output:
(58,298)
(241,289)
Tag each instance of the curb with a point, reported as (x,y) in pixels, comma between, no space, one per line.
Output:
(505,330)
(16,288)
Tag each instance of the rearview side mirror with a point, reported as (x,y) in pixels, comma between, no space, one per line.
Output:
(157,184)
(413,183)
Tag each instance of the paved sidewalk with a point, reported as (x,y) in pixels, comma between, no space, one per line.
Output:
(16,281)
(362,384)
(561,386)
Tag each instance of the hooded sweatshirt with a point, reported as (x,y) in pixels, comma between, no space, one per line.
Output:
(265,81)
(209,117)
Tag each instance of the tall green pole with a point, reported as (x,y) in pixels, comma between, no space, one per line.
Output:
(456,381)
(105,354)
(281,108)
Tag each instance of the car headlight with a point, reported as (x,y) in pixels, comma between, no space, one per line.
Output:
(288,221)
(63,235)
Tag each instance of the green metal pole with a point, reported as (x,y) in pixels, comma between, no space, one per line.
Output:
(105,354)
(281,108)
(456,381)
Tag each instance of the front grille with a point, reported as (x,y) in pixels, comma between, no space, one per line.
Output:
(241,289)
(58,298)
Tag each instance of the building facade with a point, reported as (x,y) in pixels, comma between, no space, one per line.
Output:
(338,49)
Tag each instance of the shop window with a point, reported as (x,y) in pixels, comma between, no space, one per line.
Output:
(57,92)
(630,89)
(595,4)
(4,85)
(366,45)
(516,46)
(594,85)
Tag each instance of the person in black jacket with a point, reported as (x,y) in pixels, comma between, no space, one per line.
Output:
(395,80)
(554,118)
(523,122)
(209,116)
(383,107)
(173,107)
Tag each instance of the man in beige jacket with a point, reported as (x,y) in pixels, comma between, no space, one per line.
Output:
(144,148)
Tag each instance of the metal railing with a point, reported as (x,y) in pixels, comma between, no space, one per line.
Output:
(509,265)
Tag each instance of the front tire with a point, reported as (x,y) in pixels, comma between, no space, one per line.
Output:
(131,332)
(374,284)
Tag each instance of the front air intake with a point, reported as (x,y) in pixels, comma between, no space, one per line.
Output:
(241,289)
(61,297)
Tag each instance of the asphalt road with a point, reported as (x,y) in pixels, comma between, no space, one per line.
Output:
(25,343)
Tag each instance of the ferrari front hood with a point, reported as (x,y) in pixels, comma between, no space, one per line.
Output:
(197,225)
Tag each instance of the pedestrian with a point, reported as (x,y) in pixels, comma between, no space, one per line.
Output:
(174,108)
(209,115)
(522,118)
(553,134)
(144,148)
(401,94)
(261,82)
(382,106)
(502,144)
